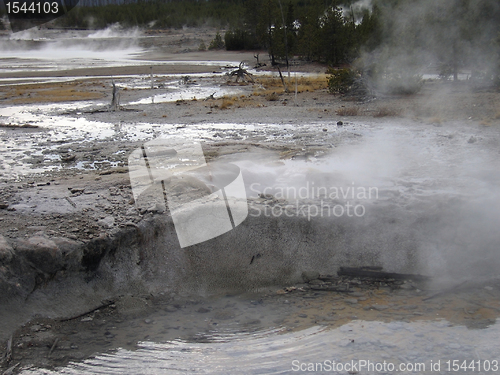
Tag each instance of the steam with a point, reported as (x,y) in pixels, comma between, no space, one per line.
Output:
(426,36)
(30,34)
(116,31)
(437,206)
(356,9)
(108,45)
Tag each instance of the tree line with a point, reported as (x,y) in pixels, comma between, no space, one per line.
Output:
(159,14)
(378,35)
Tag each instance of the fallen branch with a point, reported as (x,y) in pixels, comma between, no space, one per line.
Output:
(10,370)
(70,201)
(29,126)
(328,278)
(379,275)
(210,97)
(453,289)
(53,346)
(485,306)
(102,306)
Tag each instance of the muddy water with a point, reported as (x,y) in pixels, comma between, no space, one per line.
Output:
(354,346)
(273,332)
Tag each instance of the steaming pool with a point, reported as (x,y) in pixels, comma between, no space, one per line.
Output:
(434,211)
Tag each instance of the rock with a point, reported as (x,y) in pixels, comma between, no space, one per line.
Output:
(36,328)
(41,252)
(107,222)
(6,251)
(68,158)
(340,123)
(309,275)
(43,338)
(131,306)
(407,286)
(114,170)
(357,294)
(203,310)
(472,139)
(71,251)
(351,301)
(380,307)
(157,207)
(3,205)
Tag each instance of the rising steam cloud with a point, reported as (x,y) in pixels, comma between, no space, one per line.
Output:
(444,37)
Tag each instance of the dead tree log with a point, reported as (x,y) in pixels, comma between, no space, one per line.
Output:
(242,73)
(101,306)
(378,275)
(259,64)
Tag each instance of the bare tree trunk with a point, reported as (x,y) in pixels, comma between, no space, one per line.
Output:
(282,79)
(115,101)
(286,39)
(152,84)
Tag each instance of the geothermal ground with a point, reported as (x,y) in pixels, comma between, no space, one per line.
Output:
(88,277)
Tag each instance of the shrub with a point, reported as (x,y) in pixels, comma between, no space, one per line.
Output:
(347,111)
(226,103)
(341,80)
(272,97)
(216,43)
(386,111)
